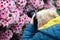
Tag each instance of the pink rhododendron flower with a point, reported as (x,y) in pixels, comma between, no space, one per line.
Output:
(19,22)
(26,18)
(58,4)
(3,5)
(6,35)
(48,4)
(37,3)
(22,3)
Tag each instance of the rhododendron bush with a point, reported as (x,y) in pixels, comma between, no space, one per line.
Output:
(14,15)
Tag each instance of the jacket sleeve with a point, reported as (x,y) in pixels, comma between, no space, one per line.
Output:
(29,31)
(51,33)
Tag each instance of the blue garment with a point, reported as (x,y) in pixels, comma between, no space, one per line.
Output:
(51,33)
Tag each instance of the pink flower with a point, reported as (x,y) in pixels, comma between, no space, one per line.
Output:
(17,9)
(4,16)
(37,3)
(6,35)
(10,4)
(22,3)
(58,4)
(3,5)
(16,28)
(19,22)
(26,18)
(48,4)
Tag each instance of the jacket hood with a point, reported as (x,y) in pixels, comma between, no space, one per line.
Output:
(50,23)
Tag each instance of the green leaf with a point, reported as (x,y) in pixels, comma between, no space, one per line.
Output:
(54,2)
(40,9)
(27,4)
(5,28)
(58,11)
(10,15)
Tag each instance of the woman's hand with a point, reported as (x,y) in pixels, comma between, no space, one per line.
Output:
(32,19)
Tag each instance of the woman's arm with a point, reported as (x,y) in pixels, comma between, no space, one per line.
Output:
(29,31)
(51,33)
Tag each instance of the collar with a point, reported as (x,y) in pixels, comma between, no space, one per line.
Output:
(50,23)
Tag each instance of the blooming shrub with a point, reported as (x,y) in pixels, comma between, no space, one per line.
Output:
(58,4)
(13,15)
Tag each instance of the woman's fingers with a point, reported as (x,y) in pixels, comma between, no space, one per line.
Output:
(33,16)
(32,19)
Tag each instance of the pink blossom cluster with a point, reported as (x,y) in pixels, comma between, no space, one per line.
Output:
(48,4)
(13,14)
(37,3)
(6,35)
(21,3)
(10,11)
(58,4)
(17,26)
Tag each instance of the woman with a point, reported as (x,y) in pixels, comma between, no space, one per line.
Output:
(48,27)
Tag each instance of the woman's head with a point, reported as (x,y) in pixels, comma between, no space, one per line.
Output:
(45,15)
